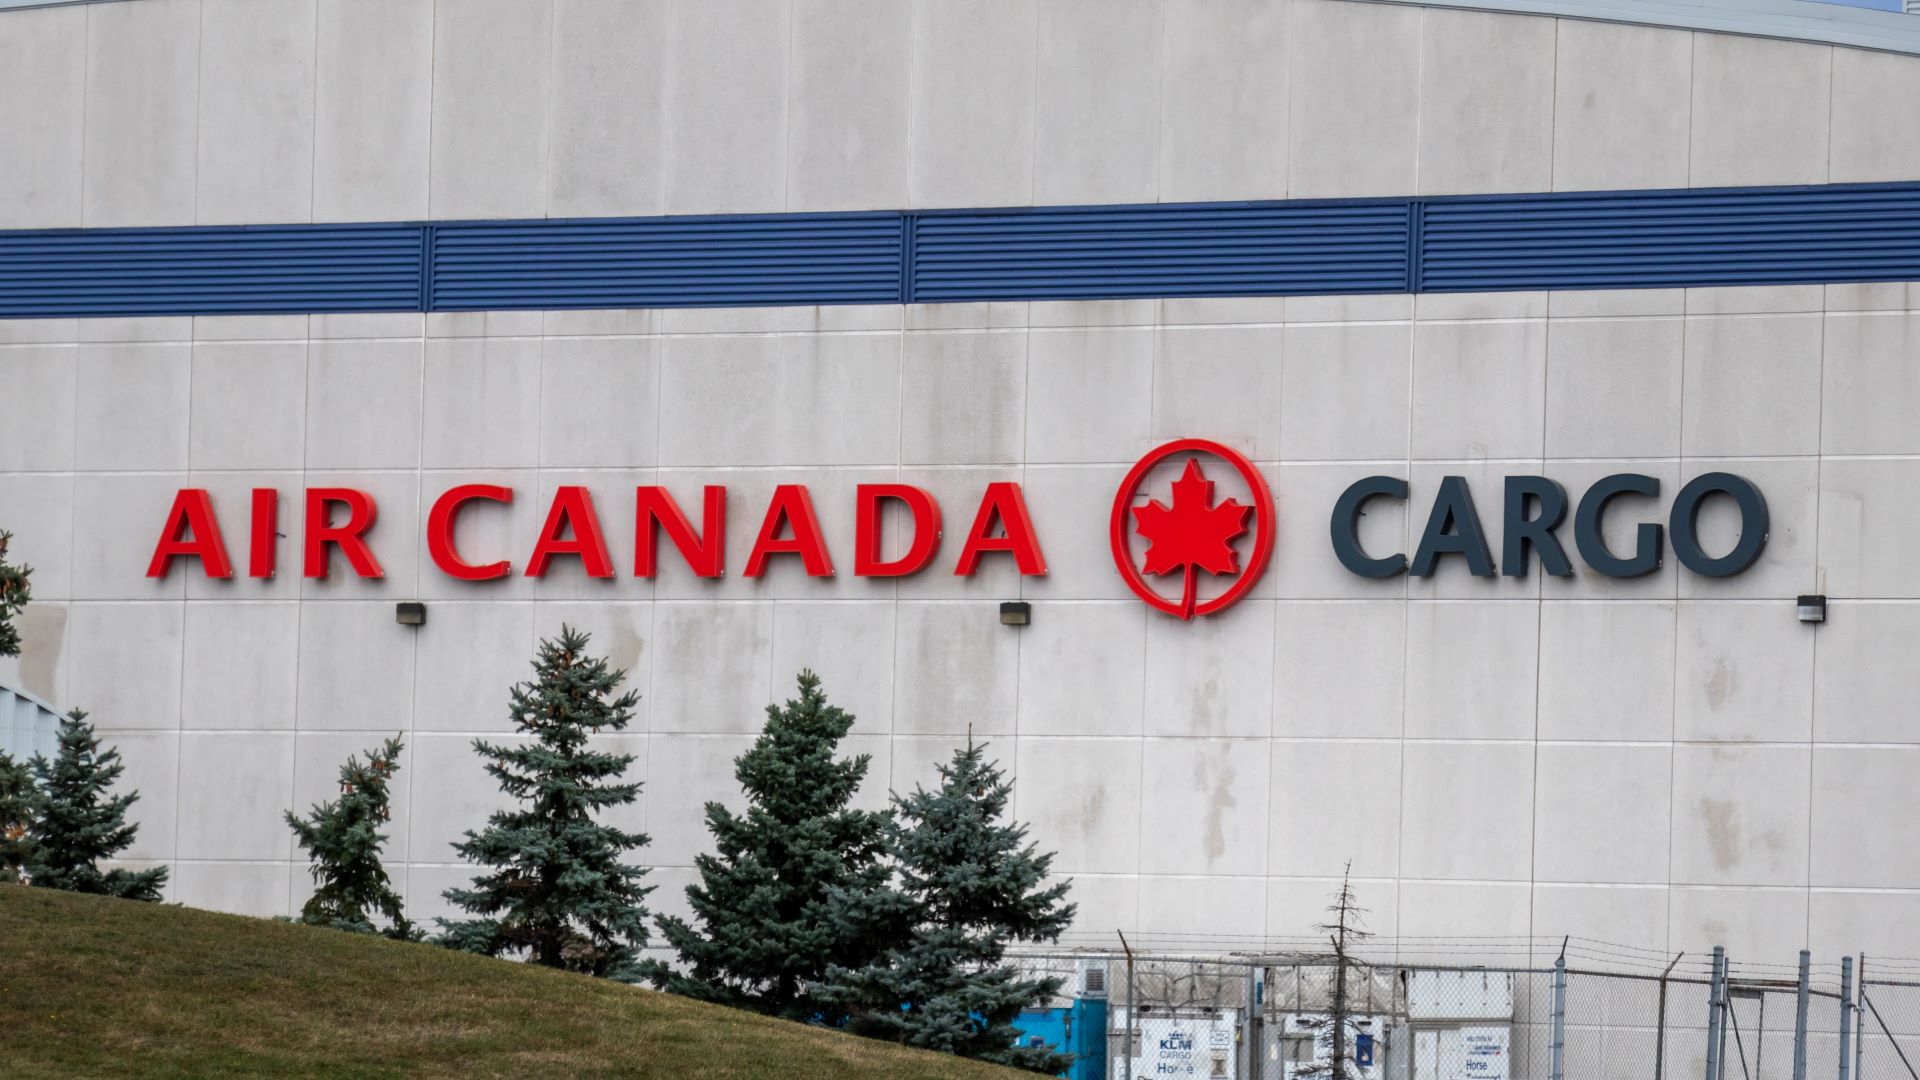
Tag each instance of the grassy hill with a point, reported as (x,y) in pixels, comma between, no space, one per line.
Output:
(91,987)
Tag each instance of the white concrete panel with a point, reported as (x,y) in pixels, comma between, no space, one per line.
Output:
(955,669)
(1355,99)
(720,400)
(1870,384)
(356,668)
(1339,669)
(1860,795)
(116,522)
(620,633)
(153,770)
(1619,531)
(1088,314)
(712,670)
(1786,567)
(124,664)
(1760,111)
(1210,913)
(1090,393)
(1479,389)
(396,539)
(968,395)
(1304,566)
(1754,299)
(1097,111)
(1864,680)
(256,102)
(233,789)
(838,400)
(1615,303)
(1296,906)
(241,666)
(1084,796)
(492,65)
(1102,903)
(1613,387)
(317,758)
(1222,383)
(1840,922)
(1471,669)
(373,100)
(41,667)
(1739,816)
(37,509)
(142,69)
(608,108)
(850,93)
(1443,911)
(133,329)
(363,404)
(1582,786)
(42,383)
(973,102)
(458,644)
(1486,102)
(727,71)
(482,404)
(599,402)
(1345,391)
(1212,676)
(1455,790)
(1203,807)
(1751,386)
(1081,669)
(684,773)
(258,889)
(1867,528)
(1072,510)
(1873,137)
(1354,783)
(1622,102)
(916,760)
(248,407)
(1749,922)
(1634,917)
(43,65)
(1224,100)
(1607,671)
(450,794)
(131,406)
(850,646)
(1746,674)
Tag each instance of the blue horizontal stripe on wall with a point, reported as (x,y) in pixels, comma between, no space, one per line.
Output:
(1628,239)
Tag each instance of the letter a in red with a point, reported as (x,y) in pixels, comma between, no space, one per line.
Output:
(191,532)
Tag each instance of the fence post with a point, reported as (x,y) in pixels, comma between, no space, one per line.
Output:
(1559,1015)
(1133,1015)
(1800,1019)
(1660,1025)
(1716,997)
(1846,1012)
(1860,1020)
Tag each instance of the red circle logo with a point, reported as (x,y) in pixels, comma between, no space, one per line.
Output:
(1191,533)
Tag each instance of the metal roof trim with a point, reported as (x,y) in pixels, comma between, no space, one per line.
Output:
(1790,20)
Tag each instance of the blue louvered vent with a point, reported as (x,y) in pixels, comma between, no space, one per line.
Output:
(1671,238)
(668,262)
(1223,249)
(210,270)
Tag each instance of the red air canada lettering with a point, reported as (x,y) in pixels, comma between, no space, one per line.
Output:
(340,522)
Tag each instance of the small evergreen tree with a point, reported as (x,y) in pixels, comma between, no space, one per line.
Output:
(343,841)
(15,591)
(558,892)
(971,885)
(77,824)
(18,796)
(769,924)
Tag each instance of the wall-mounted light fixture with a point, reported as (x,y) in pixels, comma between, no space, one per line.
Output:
(1811,608)
(1016,613)
(410,613)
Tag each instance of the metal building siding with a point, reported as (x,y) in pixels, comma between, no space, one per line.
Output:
(28,726)
(210,270)
(775,259)
(1221,249)
(1671,238)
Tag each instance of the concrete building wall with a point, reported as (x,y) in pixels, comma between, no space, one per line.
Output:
(1670,762)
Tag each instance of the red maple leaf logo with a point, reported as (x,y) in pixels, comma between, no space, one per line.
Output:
(1193,534)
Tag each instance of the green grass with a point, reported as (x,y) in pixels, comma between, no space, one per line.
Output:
(92,987)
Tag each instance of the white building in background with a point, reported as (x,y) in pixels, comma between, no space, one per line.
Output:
(1669,760)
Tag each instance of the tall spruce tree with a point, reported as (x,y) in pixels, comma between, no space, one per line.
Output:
(770,927)
(15,590)
(970,885)
(77,824)
(558,892)
(19,797)
(342,839)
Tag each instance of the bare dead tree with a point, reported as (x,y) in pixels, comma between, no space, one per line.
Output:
(1345,929)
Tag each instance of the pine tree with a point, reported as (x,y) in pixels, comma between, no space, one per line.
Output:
(343,841)
(971,885)
(78,824)
(769,924)
(15,591)
(18,799)
(558,891)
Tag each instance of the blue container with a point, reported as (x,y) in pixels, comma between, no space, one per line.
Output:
(1080,1030)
